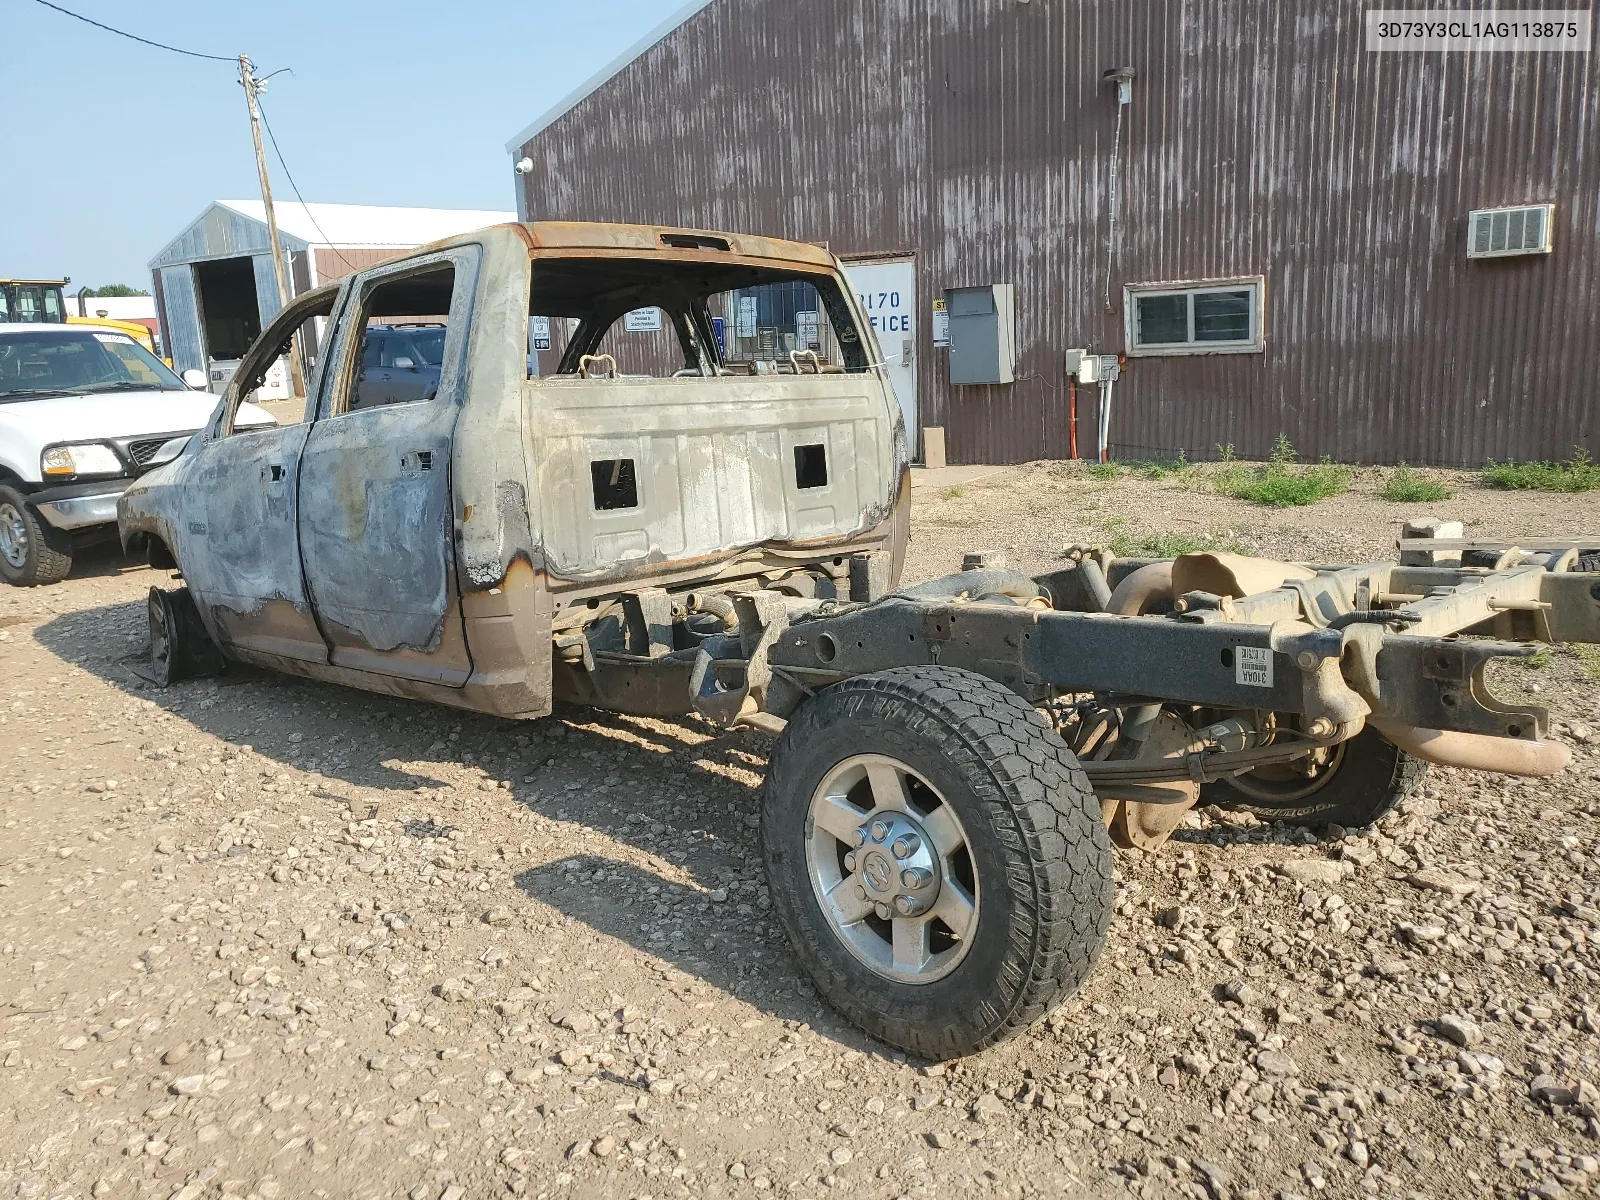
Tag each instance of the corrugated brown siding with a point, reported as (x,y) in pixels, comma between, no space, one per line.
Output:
(335,262)
(1262,139)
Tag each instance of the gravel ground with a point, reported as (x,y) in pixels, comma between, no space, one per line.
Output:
(261,937)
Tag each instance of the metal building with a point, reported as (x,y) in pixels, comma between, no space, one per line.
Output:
(1271,222)
(215,288)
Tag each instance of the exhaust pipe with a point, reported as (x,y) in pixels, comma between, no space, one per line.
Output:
(1148,587)
(1476,751)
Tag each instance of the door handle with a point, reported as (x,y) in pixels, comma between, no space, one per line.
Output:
(274,473)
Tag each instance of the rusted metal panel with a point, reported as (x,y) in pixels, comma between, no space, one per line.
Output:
(1262,139)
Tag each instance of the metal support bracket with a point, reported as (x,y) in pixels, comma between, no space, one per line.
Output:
(647,620)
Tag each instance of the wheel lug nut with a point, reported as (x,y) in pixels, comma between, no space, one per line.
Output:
(915,878)
(905,847)
(861,892)
(906,905)
(861,835)
(850,860)
(882,911)
(879,831)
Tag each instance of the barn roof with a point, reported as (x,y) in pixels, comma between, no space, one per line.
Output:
(369,224)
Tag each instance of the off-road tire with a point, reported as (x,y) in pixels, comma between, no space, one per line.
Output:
(47,555)
(180,647)
(1373,777)
(1038,845)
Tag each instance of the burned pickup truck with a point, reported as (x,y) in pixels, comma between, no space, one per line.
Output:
(663,472)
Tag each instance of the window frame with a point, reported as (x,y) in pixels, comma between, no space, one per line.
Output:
(344,357)
(1256,343)
(300,310)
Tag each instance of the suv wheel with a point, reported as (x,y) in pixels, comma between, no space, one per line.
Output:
(32,551)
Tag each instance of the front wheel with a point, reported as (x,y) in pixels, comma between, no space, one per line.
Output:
(32,551)
(1352,784)
(936,856)
(180,647)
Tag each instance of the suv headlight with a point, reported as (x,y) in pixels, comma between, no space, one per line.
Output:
(92,458)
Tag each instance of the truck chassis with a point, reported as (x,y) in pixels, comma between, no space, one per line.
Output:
(955,759)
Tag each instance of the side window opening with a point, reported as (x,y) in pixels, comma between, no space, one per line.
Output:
(616,484)
(811,466)
(404,325)
(660,318)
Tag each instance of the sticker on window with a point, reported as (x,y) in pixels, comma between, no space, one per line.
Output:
(120,339)
(1253,666)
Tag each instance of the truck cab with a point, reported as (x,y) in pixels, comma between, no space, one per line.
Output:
(590,439)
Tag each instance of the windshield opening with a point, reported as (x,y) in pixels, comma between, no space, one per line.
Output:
(72,362)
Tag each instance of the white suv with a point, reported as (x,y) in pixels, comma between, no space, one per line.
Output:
(83,412)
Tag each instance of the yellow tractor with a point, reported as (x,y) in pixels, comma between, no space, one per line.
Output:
(43,300)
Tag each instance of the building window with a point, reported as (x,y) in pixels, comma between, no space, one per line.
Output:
(1216,317)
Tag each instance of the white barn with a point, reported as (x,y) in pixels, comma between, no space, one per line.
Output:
(215,288)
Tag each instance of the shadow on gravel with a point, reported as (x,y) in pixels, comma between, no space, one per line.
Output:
(731,945)
(681,791)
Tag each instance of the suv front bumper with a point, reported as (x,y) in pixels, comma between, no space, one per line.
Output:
(80,505)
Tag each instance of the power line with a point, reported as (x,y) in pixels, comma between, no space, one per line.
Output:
(289,175)
(135,37)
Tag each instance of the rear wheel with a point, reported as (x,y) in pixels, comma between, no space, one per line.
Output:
(1353,784)
(936,856)
(32,551)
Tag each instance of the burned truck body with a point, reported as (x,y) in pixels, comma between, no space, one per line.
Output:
(663,472)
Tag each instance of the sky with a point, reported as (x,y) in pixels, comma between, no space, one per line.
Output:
(111,148)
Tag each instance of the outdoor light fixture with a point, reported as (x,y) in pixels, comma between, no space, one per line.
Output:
(1123,76)
(524,166)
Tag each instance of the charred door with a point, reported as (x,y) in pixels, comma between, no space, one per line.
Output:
(376,528)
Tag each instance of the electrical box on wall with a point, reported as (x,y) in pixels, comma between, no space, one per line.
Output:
(983,333)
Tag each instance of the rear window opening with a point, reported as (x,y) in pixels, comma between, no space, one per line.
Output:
(665,318)
(810,466)
(615,484)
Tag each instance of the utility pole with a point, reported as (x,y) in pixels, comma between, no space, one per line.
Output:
(252,87)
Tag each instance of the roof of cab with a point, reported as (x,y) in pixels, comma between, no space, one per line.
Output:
(609,240)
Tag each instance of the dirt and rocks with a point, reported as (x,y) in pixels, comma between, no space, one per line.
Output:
(261,937)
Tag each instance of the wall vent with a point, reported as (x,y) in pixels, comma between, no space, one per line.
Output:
(1501,232)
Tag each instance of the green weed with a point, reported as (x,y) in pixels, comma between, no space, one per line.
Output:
(1580,473)
(1105,471)
(1161,469)
(1588,656)
(1280,483)
(1405,486)
(954,493)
